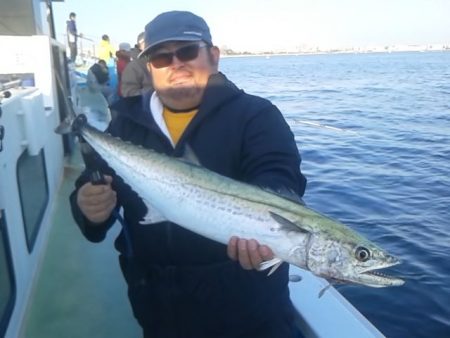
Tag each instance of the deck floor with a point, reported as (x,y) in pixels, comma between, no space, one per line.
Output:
(80,291)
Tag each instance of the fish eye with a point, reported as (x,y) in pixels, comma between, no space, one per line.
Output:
(362,254)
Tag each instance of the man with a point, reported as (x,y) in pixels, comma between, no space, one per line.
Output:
(72,36)
(98,80)
(136,79)
(181,284)
(97,76)
(139,46)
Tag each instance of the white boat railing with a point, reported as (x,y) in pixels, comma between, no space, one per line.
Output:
(327,316)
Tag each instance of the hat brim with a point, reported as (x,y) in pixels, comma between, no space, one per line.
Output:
(181,38)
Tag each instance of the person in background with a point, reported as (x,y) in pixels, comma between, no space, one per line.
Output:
(97,76)
(123,58)
(181,284)
(136,78)
(96,107)
(106,51)
(72,36)
(138,47)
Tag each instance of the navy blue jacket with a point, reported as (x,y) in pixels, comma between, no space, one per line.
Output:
(235,134)
(72,30)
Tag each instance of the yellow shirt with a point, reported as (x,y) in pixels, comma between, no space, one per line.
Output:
(106,51)
(177,122)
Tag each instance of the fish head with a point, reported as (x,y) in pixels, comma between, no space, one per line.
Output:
(352,260)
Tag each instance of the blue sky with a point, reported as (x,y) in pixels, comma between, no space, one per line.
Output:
(256,25)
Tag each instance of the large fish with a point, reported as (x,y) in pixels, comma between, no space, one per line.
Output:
(218,208)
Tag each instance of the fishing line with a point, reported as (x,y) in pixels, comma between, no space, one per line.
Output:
(294,121)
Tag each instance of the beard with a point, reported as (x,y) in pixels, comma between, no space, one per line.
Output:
(182,92)
(182,97)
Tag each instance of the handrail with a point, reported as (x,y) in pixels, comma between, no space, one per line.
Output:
(86,46)
(85,38)
(10,84)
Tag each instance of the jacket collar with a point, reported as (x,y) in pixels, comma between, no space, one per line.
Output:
(135,108)
(219,91)
(157,109)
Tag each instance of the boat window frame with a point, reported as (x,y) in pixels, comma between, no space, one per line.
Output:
(31,237)
(5,317)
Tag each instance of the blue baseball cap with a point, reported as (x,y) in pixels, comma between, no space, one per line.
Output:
(175,26)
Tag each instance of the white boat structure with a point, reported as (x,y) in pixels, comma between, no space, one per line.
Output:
(53,283)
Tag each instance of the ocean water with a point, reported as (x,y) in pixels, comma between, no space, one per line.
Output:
(374,134)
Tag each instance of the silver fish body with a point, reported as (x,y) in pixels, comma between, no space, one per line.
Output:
(218,208)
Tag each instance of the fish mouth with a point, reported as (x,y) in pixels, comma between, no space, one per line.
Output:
(379,279)
(375,278)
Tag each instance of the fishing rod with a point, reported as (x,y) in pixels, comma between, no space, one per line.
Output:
(323,126)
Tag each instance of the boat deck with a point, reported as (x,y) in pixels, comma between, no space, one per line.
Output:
(80,291)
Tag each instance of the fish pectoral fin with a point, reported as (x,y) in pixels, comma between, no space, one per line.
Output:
(152,216)
(286,224)
(274,263)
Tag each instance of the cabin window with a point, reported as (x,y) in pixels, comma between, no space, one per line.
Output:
(33,191)
(7,287)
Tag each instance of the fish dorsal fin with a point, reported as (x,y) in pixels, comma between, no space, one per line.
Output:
(290,194)
(286,193)
(189,156)
(286,224)
(152,216)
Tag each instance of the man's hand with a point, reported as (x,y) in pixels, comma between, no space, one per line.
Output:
(249,253)
(97,201)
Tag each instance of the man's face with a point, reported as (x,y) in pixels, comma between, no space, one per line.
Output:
(180,79)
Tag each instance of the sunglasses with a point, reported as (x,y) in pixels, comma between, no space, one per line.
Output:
(184,54)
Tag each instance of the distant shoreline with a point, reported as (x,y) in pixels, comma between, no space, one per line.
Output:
(269,54)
